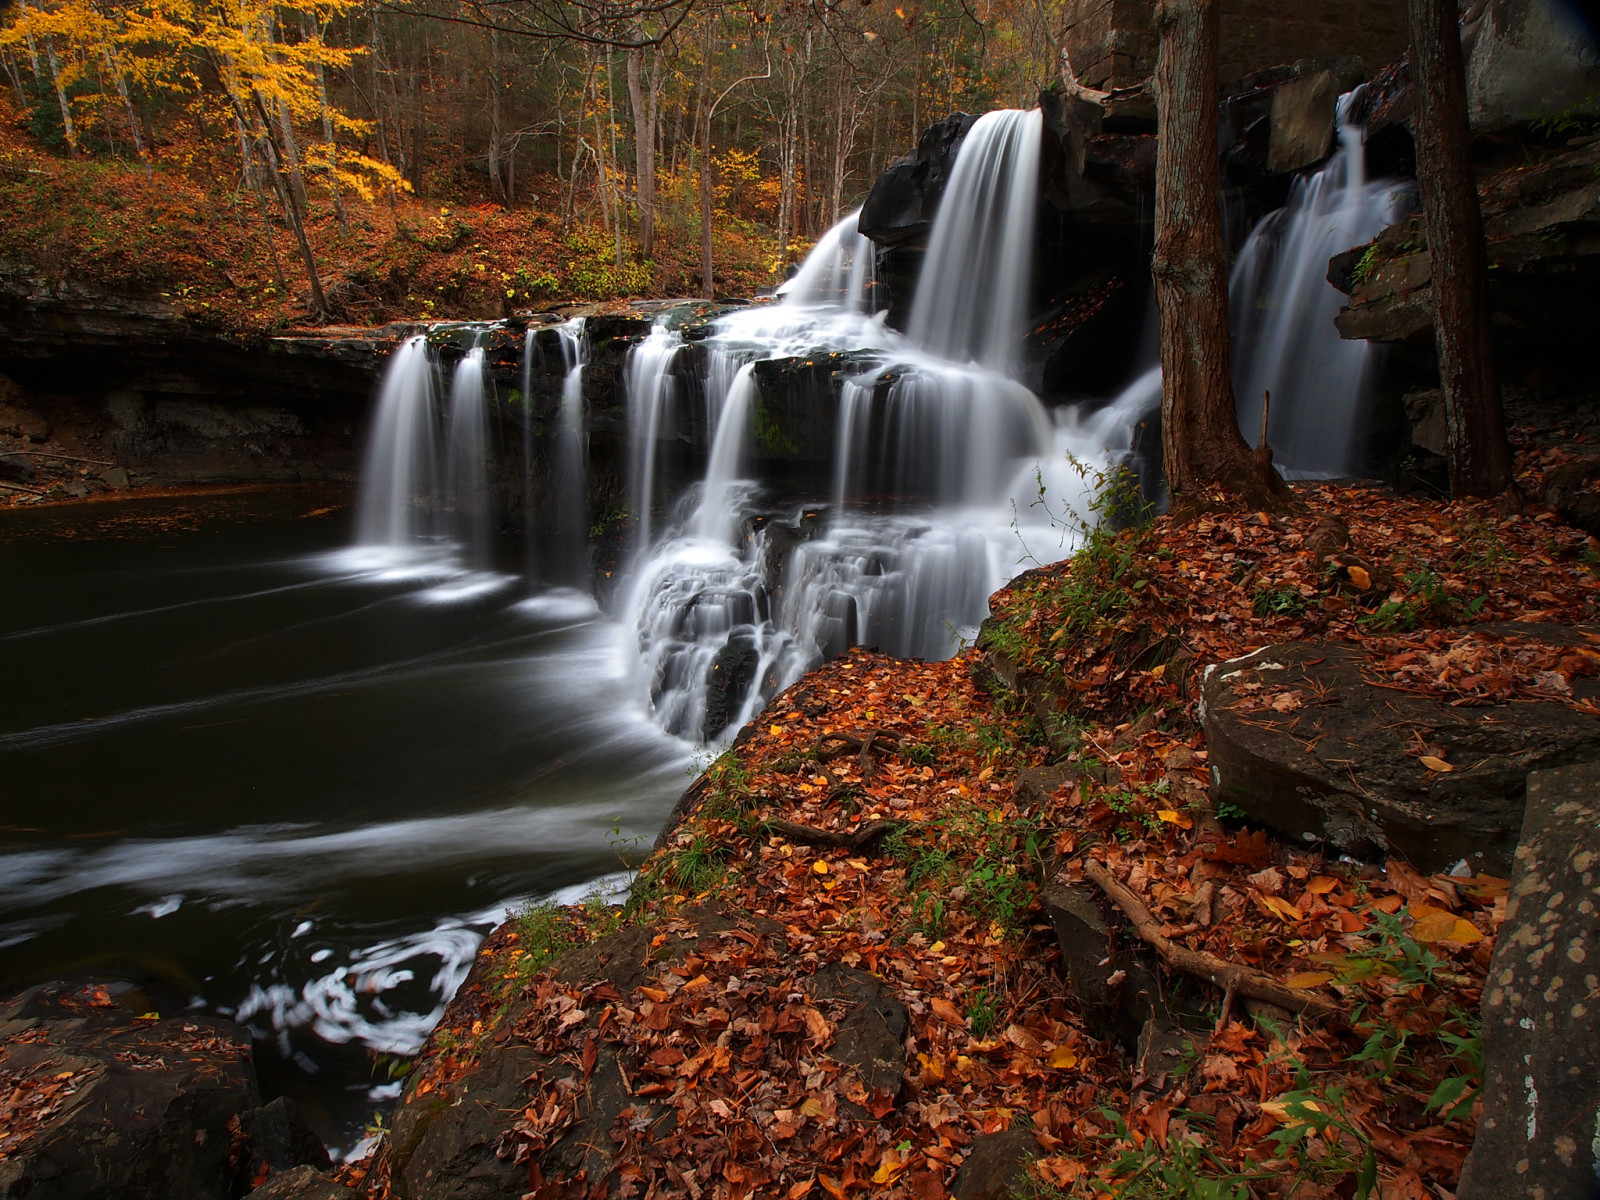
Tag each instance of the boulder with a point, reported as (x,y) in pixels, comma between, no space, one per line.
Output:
(446,1142)
(870,1027)
(302,1183)
(1300,741)
(1302,118)
(995,1162)
(110,1102)
(906,194)
(1541,1022)
(1425,411)
(1118,988)
(1530,59)
(23,423)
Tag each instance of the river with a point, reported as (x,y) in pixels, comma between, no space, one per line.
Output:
(286,784)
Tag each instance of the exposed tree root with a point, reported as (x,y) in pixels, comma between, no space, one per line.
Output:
(1235,980)
(810,836)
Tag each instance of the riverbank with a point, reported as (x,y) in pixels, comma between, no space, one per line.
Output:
(907,934)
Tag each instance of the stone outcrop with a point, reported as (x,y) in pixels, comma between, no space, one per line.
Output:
(1537,1135)
(1530,60)
(1337,760)
(109,1102)
(1112,43)
(1542,226)
(452,1141)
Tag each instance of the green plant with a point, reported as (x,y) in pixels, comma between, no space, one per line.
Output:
(1278,602)
(982,1018)
(1365,265)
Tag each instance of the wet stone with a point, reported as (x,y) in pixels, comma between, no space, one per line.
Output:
(1538,1136)
(1339,765)
(994,1164)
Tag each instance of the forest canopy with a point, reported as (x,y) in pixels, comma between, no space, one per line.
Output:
(625,123)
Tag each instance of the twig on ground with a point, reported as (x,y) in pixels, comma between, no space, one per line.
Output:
(1235,980)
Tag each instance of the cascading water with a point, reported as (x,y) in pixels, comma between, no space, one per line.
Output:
(840,272)
(1284,338)
(571,566)
(650,394)
(466,481)
(972,294)
(939,459)
(950,450)
(398,475)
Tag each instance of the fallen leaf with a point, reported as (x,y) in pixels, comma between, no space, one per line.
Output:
(1308,979)
(1436,925)
(1435,764)
(1061,1058)
(1359,576)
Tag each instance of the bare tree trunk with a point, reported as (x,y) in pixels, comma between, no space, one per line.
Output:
(319,302)
(327,136)
(644,94)
(1479,454)
(67,128)
(497,187)
(14,76)
(1199,426)
(707,285)
(133,116)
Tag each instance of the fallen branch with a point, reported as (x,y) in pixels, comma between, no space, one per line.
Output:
(77,458)
(810,836)
(17,487)
(1235,980)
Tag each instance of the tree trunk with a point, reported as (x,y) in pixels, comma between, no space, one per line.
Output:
(707,286)
(497,186)
(308,29)
(67,129)
(1200,436)
(644,94)
(1479,454)
(319,302)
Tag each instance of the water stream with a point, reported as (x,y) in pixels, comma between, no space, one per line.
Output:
(299,768)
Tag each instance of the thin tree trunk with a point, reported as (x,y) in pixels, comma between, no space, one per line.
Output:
(1479,453)
(14,76)
(497,187)
(707,285)
(1200,436)
(133,116)
(67,128)
(327,136)
(319,302)
(33,49)
(644,92)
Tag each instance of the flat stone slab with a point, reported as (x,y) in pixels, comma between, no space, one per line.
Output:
(1304,742)
(111,1102)
(1539,1134)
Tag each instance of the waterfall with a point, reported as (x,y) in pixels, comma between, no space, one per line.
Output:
(530,349)
(1284,338)
(972,294)
(650,394)
(946,473)
(717,518)
(571,466)
(839,272)
(397,476)
(466,479)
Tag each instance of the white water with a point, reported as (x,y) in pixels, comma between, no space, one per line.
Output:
(1283,307)
(972,294)
(840,272)
(571,566)
(949,451)
(398,476)
(946,473)
(466,482)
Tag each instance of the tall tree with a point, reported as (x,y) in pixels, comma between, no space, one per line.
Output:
(1479,454)
(1200,436)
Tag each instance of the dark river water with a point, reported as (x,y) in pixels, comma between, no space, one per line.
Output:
(292,786)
